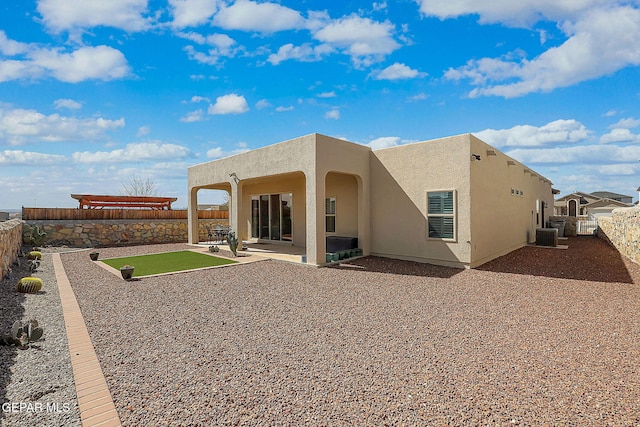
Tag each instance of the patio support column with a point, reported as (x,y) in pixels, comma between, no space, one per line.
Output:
(364,224)
(235,211)
(192,216)
(316,244)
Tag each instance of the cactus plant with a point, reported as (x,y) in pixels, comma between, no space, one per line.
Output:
(33,265)
(232,240)
(35,235)
(29,285)
(35,255)
(214,249)
(23,334)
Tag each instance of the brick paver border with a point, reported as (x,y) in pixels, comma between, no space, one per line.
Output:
(94,399)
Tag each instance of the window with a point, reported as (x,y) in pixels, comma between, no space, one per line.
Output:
(330,214)
(441,214)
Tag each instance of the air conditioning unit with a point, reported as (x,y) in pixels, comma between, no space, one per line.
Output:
(547,237)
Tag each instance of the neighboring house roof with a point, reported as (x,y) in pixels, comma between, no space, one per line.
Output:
(583,197)
(610,195)
(606,202)
(593,200)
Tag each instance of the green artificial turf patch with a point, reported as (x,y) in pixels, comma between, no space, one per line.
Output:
(167,262)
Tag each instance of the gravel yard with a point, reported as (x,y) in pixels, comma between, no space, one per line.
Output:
(38,378)
(538,337)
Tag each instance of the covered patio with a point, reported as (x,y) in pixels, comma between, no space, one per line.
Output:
(289,253)
(282,198)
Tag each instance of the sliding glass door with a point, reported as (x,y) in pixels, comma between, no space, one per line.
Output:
(271,217)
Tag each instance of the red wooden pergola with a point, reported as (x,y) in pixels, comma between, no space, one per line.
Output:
(89,201)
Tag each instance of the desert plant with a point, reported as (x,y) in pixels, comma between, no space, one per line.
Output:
(232,240)
(35,235)
(33,265)
(214,249)
(35,255)
(29,285)
(23,334)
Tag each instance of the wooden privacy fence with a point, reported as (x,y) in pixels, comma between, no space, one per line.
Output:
(35,214)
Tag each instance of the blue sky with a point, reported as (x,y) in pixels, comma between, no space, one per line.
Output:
(94,93)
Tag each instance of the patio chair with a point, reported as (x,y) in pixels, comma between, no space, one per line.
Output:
(218,232)
(209,234)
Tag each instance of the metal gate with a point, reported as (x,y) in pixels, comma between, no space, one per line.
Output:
(587,226)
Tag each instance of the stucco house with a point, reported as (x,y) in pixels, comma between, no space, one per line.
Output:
(599,203)
(454,201)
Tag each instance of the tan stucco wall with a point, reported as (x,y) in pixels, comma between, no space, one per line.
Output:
(345,189)
(400,179)
(502,222)
(381,196)
(339,156)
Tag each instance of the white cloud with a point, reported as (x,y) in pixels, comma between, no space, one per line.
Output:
(263,103)
(619,135)
(283,109)
(11,47)
(132,153)
(19,157)
(229,104)
(197,98)
(61,15)
(332,114)
(189,13)
(20,126)
(621,169)
(67,103)
(220,45)
(523,13)
(331,94)
(85,63)
(304,53)
(379,6)
(397,71)
(384,142)
(365,40)
(419,97)
(584,154)
(628,123)
(267,17)
(600,41)
(556,132)
(193,116)
(143,131)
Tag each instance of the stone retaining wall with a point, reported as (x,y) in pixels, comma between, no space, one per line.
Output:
(100,233)
(10,243)
(622,230)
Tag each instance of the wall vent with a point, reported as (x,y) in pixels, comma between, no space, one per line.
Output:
(547,237)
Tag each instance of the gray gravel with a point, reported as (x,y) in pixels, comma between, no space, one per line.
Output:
(375,342)
(39,378)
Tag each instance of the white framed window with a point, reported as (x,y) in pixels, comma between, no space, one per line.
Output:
(441,215)
(330,214)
